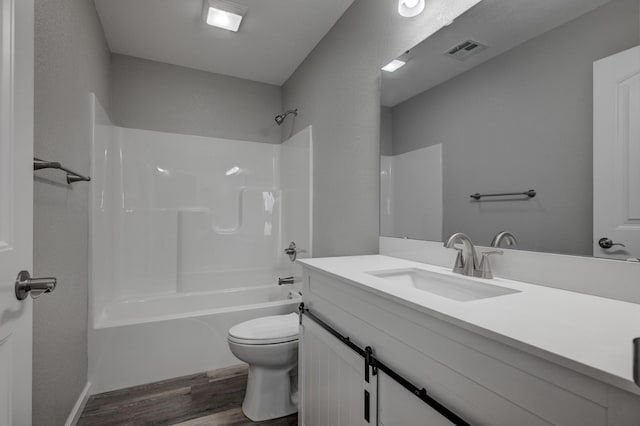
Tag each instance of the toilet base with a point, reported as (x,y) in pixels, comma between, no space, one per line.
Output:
(269,394)
(272,385)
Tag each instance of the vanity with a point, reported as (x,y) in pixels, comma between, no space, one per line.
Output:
(495,352)
(515,124)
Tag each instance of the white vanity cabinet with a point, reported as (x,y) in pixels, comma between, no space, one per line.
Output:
(487,382)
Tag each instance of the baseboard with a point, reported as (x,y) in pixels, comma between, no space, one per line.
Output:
(77,409)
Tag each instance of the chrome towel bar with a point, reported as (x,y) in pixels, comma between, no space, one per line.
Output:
(530,193)
(72,176)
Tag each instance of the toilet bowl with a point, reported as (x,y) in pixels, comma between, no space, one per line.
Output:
(270,346)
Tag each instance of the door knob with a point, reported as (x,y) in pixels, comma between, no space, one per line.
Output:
(36,286)
(606,243)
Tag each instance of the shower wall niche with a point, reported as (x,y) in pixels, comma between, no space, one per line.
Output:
(177,214)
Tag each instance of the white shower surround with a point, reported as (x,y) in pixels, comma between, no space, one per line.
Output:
(187,237)
(411,194)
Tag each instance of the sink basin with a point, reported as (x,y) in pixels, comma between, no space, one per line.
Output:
(449,286)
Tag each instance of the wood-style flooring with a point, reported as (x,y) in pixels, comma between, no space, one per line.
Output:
(207,399)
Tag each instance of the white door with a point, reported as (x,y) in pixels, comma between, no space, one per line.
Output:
(16,207)
(616,155)
(333,386)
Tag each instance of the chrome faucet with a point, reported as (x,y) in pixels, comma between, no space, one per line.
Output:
(506,236)
(292,251)
(467,260)
(484,270)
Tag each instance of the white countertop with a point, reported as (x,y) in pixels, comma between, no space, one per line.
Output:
(593,334)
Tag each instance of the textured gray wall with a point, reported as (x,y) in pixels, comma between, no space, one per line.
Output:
(522,120)
(337,89)
(168,98)
(71,60)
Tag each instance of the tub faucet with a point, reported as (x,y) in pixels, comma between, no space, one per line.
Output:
(467,260)
(507,237)
(288,280)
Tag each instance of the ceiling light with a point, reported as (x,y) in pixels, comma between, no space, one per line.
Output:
(235,170)
(410,8)
(223,14)
(393,65)
(163,171)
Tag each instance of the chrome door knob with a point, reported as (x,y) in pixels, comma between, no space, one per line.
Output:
(606,243)
(35,286)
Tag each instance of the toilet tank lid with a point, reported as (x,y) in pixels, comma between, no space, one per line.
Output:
(267,328)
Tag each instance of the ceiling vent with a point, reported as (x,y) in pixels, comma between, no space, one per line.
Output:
(465,50)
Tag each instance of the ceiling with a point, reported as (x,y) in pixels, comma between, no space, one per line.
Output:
(274,38)
(499,24)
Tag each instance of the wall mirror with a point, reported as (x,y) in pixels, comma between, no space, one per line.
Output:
(515,97)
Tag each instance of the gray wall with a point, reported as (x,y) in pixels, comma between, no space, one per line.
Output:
(522,120)
(71,60)
(168,98)
(336,89)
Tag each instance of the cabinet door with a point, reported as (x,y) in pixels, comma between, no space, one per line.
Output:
(332,381)
(397,407)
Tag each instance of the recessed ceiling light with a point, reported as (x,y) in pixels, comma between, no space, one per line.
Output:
(223,14)
(393,65)
(235,170)
(410,8)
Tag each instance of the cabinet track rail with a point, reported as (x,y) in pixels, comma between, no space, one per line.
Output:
(377,365)
(636,360)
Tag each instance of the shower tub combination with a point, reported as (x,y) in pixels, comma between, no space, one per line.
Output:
(187,239)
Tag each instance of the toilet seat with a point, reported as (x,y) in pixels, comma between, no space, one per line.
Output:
(266,330)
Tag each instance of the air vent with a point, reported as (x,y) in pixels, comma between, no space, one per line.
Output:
(465,50)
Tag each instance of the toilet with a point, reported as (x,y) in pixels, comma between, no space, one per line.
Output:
(270,346)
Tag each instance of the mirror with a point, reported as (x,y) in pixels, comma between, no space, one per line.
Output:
(502,102)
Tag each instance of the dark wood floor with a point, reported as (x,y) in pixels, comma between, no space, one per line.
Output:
(206,399)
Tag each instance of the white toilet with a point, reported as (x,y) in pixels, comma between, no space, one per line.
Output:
(270,346)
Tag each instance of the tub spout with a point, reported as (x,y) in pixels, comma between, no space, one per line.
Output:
(288,280)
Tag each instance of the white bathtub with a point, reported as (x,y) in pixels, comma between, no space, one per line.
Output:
(145,340)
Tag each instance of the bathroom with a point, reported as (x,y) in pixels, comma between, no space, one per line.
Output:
(395,212)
